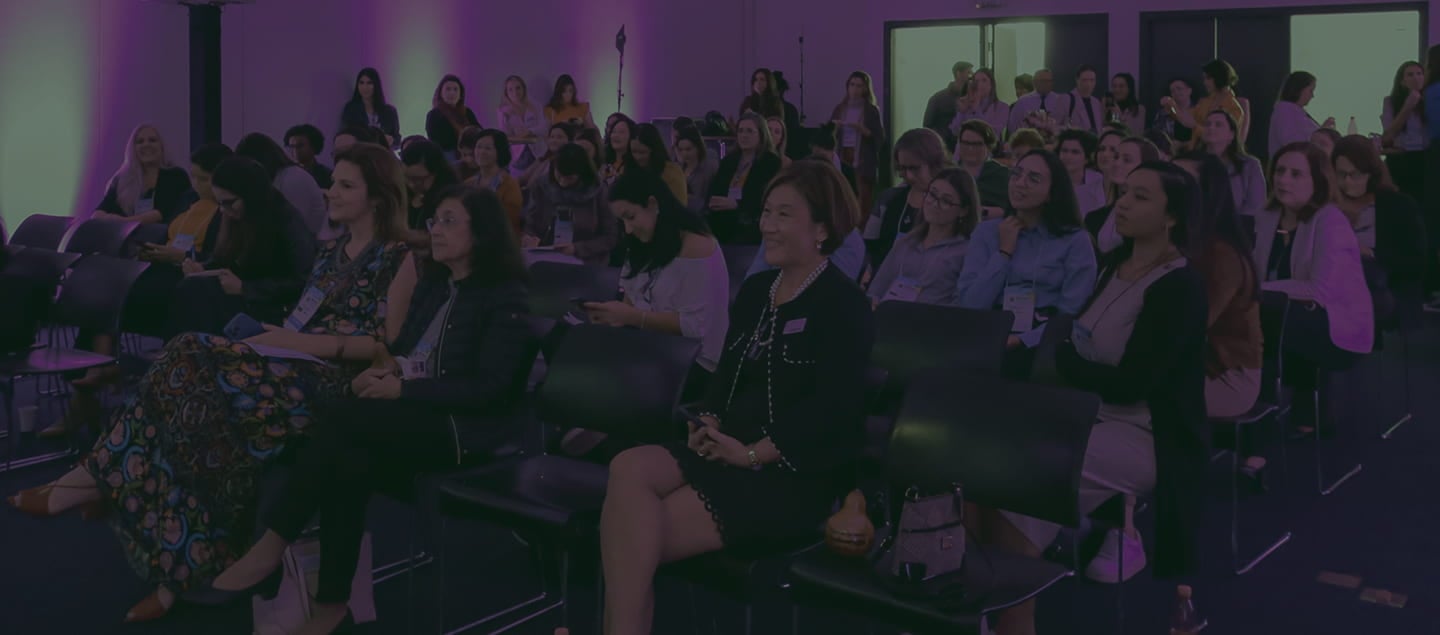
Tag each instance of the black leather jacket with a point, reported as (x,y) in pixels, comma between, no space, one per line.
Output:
(483,357)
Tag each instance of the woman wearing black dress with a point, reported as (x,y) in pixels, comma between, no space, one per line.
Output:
(782,415)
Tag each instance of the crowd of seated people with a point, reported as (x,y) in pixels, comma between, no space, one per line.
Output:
(1056,205)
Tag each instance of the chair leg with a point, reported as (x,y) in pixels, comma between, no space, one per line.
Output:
(1324,489)
(1405,375)
(550,599)
(1242,569)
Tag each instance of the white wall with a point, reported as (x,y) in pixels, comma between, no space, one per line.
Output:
(75,77)
(845,35)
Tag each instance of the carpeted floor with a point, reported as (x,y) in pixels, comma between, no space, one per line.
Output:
(67,576)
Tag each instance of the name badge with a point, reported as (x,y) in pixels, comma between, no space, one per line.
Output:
(903,289)
(183,242)
(413,367)
(1019,300)
(794,326)
(144,205)
(307,307)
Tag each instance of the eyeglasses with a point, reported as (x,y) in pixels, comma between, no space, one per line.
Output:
(1034,178)
(443,221)
(1351,176)
(946,201)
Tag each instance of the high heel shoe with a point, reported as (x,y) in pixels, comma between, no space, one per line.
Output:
(35,502)
(147,610)
(208,595)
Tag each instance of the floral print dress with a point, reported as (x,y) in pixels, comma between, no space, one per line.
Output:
(181,461)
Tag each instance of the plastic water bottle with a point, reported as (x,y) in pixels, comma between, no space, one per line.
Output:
(1184,620)
(1352,128)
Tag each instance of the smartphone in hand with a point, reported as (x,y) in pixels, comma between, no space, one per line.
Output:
(243,326)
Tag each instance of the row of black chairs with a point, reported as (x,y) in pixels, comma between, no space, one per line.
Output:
(69,234)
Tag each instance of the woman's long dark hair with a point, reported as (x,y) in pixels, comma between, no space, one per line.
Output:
(573,160)
(454,114)
(1061,213)
(557,97)
(428,153)
(377,99)
(257,233)
(638,187)
(1218,220)
(265,151)
(1131,102)
(769,102)
(1183,202)
(608,152)
(494,252)
(1235,152)
(1399,93)
(649,135)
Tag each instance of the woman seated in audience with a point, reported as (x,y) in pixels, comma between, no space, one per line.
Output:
(1220,136)
(754,478)
(822,148)
(146,188)
(180,463)
(1131,152)
(1179,100)
(1235,343)
(925,265)
(448,399)
(568,213)
(1325,139)
(1076,149)
(973,143)
(919,155)
(861,135)
(367,108)
(1023,142)
(293,182)
(694,159)
(980,102)
(448,115)
(589,139)
(1290,122)
(764,98)
(1405,137)
(565,105)
(492,160)
(617,147)
(1037,262)
(1105,151)
(522,121)
(1139,344)
(465,168)
(195,231)
(740,182)
(1162,142)
(778,136)
(1387,222)
(426,173)
(1306,248)
(1123,103)
(559,135)
(647,152)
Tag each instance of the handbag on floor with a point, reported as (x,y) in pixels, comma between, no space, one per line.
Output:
(293,605)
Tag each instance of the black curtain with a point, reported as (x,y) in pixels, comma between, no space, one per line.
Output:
(1258,46)
(1072,40)
(1173,47)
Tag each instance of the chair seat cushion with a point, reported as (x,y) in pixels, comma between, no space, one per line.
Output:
(993,580)
(537,492)
(734,573)
(50,361)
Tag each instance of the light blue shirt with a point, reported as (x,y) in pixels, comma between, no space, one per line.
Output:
(850,257)
(1061,268)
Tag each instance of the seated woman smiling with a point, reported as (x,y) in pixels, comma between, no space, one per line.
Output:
(781,431)
(447,391)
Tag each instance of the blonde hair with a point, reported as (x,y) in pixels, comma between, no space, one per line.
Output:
(129,180)
(767,143)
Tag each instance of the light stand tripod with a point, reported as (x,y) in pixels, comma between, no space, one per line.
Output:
(620,78)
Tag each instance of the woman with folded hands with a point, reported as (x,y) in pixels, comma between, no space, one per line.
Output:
(775,439)
(460,362)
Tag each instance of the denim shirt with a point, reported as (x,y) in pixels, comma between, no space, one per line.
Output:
(849,258)
(1061,267)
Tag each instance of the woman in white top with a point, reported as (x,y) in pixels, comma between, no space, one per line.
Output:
(980,102)
(1290,122)
(1305,247)
(522,121)
(1220,136)
(1076,149)
(925,264)
(1406,135)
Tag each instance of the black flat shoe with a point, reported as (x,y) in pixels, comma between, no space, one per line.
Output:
(211,596)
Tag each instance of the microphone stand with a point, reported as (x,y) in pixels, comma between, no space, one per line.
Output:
(802,78)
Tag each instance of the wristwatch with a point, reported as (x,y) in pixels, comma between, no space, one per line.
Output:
(754,460)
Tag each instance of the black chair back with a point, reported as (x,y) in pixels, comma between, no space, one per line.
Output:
(623,382)
(41,266)
(738,259)
(93,295)
(1274,311)
(107,237)
(553,285)
(1044,370)
(911,337)
(41,231)
(1010,445)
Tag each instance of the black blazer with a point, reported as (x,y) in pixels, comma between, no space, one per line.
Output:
(354,116)
(819,369)
(172,195)
(746,217)
(1163,365)
(483,356)
(439,130)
